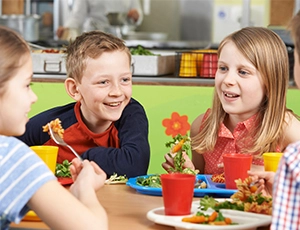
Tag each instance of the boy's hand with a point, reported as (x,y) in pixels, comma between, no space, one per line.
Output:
(265,181)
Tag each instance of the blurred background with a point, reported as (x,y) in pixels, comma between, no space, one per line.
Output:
(174,20)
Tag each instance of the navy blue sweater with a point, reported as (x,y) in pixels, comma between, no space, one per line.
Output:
(131,159)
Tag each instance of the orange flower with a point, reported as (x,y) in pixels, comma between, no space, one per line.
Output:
(176,125)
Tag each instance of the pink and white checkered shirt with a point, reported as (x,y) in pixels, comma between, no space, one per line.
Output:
(229,142)
(286,190)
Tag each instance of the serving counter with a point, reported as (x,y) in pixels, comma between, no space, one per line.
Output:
(139,80)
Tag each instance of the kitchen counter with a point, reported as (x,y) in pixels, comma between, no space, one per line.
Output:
(139,80)
(169,45)
(150,44)
(147,80)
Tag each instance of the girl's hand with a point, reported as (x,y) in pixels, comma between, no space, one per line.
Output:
(169,163)
(87,174)
(265,181)
(75,168)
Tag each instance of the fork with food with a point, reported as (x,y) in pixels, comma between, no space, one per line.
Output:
(56,132)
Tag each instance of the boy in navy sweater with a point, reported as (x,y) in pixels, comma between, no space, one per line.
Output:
(105,124)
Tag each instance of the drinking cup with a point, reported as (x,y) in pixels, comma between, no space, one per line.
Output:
(48,154)
(188,65)
(236,166)
(271,161)
(178,193)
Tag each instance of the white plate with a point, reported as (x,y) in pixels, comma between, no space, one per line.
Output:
(245,220)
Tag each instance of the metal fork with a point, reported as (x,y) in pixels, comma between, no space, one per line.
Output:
(58,140)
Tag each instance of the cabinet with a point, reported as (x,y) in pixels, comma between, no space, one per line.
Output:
(281,11)
(12,7)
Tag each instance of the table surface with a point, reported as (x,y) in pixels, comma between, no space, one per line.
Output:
(126,209)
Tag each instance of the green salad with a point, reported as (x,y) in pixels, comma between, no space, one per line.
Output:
(63,170)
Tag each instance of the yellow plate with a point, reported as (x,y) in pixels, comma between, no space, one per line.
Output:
(31,216)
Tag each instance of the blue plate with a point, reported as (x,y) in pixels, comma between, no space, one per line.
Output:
(213,189)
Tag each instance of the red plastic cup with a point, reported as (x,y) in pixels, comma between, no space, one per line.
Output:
(178,193)
(236,166)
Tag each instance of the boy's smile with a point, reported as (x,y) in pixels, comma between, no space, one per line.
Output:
(105,89)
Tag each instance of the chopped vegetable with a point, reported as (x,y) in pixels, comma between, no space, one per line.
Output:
(212,217)
(194,219)
(139,50)
(178,145)
(215,218)
(63,170)
(207,202)
(151,181)
(115,179)
(245,199)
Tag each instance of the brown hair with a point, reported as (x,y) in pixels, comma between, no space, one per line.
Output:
(90,45)
(267,52)
(13,49)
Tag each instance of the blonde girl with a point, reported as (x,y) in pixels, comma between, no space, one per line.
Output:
(249,113)
(25,181)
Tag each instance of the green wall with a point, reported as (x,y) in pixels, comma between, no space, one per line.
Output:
(159,102)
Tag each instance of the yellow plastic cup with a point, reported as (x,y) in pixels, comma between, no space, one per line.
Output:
(48,154)
(188,65)
(271,161)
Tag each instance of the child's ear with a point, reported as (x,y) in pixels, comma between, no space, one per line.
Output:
(72,89)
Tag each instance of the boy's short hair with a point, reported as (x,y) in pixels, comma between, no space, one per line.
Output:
(90,45)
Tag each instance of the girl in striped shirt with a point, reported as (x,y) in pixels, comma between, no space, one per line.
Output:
(25,181)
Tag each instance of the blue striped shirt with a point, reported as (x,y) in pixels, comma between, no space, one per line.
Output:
(22,173)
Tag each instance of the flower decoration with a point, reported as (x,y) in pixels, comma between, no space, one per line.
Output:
(176,125)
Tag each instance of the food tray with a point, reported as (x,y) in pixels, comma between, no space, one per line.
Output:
(196,63)
(49,63)
(157,65)
(213,189)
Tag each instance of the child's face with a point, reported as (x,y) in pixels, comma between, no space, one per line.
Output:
(238,83)
(296,69)
(105,88)
(16,101)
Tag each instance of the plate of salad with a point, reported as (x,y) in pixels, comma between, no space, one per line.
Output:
(202,220)
(245,209)
(63,174)
(151,185)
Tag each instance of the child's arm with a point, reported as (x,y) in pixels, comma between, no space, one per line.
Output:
(197,158)
(291,130)
(58,208)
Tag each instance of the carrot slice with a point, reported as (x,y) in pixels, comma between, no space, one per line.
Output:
(194,219)
(178,146)
(212,217)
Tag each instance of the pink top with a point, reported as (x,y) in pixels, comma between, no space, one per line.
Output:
(228,142)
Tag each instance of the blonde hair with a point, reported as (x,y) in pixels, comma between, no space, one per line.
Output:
(267,52)
(90,45)
(13,50)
